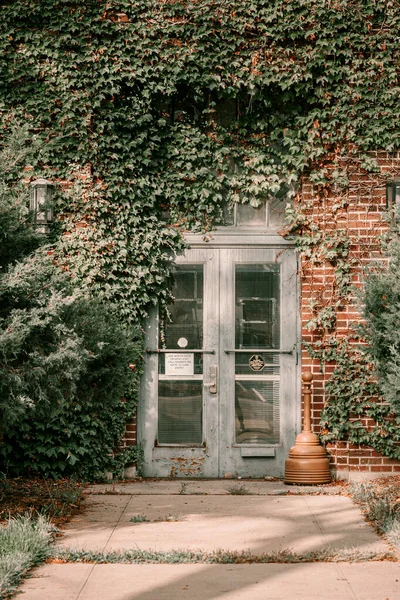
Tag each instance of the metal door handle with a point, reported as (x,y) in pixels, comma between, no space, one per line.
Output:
(212,386)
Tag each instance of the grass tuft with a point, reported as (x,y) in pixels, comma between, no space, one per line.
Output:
(238,490)
(379,500)
(183,488)
(24,542)
(170,518)
(138,556)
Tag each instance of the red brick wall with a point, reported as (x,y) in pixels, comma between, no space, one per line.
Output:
(346,457)
(363,219)
(130,435)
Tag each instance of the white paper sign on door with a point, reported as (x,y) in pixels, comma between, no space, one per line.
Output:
(179,364)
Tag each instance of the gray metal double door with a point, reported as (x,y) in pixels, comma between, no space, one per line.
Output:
(220,391)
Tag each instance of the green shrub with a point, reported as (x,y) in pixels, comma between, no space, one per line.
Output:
(381,299)
(366,380)
(354,395)
(67,386)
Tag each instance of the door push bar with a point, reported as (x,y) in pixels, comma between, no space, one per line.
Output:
(178,351)
(257,350)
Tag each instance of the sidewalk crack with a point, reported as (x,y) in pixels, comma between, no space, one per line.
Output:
(104,547)
(117,523)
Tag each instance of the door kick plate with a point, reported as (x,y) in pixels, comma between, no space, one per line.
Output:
(257,452)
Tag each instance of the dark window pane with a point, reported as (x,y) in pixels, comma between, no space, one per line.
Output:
(180,412)
(185,330)
(257,412)
(257,306)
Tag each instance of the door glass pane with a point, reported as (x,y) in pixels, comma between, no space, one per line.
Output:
(257,327)
(180,412)
(180,398)
(257,412)
(257,306)
(184,329)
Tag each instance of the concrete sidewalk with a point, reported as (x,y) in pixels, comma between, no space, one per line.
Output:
(209,516)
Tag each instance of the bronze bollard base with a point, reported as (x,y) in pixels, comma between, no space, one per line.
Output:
(308,462)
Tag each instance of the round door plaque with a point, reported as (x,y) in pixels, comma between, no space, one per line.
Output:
(256,362)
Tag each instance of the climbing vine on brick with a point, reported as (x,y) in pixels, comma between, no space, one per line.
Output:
(156,114)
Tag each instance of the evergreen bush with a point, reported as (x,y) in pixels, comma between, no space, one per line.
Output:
(65,379)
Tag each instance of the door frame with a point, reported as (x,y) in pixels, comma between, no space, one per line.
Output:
(201,463)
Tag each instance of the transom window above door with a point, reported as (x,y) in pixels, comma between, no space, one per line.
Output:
(269,214)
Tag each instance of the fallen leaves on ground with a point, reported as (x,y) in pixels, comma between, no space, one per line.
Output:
(58,500)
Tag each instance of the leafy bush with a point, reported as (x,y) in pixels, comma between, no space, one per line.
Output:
(66,385)
(355,410)
(381,299)
(364,390)
(66,388)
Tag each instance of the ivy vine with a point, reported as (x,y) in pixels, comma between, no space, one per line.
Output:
(156,115)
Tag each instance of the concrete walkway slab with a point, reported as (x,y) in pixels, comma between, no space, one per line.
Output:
(97,522)
(254,523)
(211,518)
(344,581)
(58,582)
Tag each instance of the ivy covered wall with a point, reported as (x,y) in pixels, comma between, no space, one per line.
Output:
(153,108)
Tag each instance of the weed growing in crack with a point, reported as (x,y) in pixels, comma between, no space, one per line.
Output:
(139,519)
(238,490)
(169,518)
(182,490)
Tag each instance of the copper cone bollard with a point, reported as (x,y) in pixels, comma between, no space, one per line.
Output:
(308,462)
